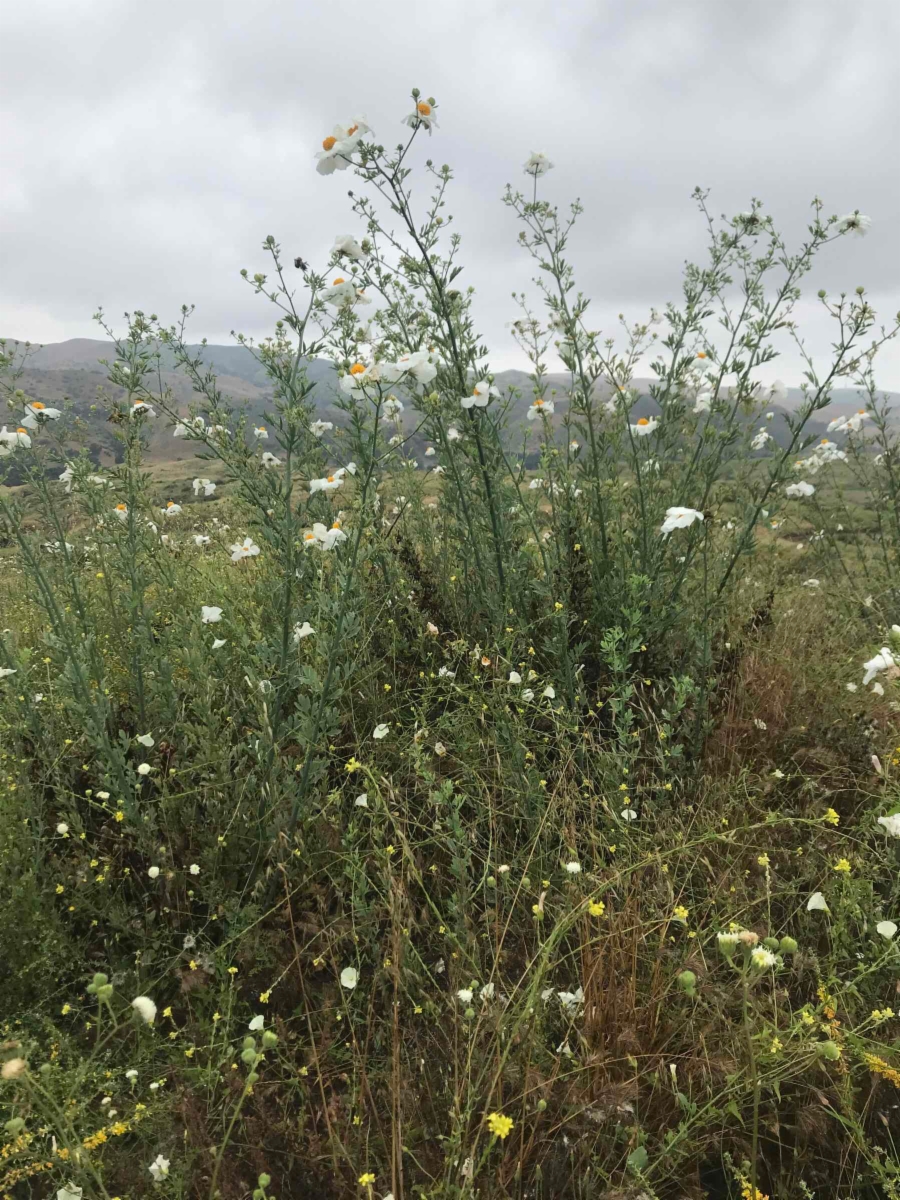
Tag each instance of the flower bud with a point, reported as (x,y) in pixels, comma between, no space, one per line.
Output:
(469,1014)
(269,1039)
(771,943)
(249,1043)
(822,293)
(829,1050)
(787,945)
(541,1105)
(15,1126)
(264,1180)
(687,981)
(252,1077)
(248,1055)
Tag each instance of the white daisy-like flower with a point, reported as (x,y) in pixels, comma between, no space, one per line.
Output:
(644,426)
(422,115)
(430,452)
(679,518)
(854,222)
(145,1008)
(464,995)
(144,769)
(153,872)
(573,868)
(481,395)
(571,1000)
(802,488)
(318,428)
(537,164)
(206,486)
(346,245)
(349,978)
(245,549)
(302,631)
(540,408)
(210,614)
(762,958)
(37,413)
(323,538)
(194,869)
(380,731)
(883,661)
(159,1168)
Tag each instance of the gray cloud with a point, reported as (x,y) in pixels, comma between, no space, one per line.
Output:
(149,149)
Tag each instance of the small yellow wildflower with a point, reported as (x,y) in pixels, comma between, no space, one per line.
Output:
(366,1179)
(842,866)
(264,997)
(830,816)
(499,1125)
(763,860)
(680,912)
(596,908)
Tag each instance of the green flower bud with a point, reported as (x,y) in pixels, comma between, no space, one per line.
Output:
(492,881)
(249,1043)
(829,1050)
(248,1055)
(687,981)
(252,1077)
(264,1180)
(98,981)
(787,945)
(269,1039)
(822,293)
(469,1014)
(15,1126)
(542,1105)
(105,992)
(771,943)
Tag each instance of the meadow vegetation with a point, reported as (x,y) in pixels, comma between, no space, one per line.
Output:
(428,826)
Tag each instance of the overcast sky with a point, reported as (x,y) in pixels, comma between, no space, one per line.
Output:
(148,148)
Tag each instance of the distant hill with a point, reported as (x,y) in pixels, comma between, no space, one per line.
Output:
(72,371)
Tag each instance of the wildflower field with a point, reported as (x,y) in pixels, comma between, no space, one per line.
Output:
(483,793)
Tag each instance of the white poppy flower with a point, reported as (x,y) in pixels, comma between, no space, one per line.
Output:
(762,439)
(817,903)
(446,673)
(430,452)
(453,434)
(146,1009)
(423,115)
(537,164)
(323,538)
(883,661)
(887,929)
(329,484)
(204,485)
(159,1168)
(481,395)
(303,631)
(317,428)
(146,739)
(141,408)
(14,438)
(644,426)
(349,978)
(258,1023)
(210,614)
(218,643)
(271,460)
(679,518)
(799,489)
(854,222)
(891,824)
(172,509)
(380,731)
(342,293)
(339,146)
(245,549)
(347,245)
(487,992)
(540,408)
(260,433)
(418,364)
(571,1000)
(703,402)
(66,477)
(36,413)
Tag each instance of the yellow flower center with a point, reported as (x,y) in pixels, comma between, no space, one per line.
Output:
(643,421)
(336,525)
(170,504)
(538,404)
(701,354)
(423,109)
(357,369)
(330,479)
(824,441)
(261,429)
(352,130)
(22,429)
(329,143)
(335,282)
(37,404)
(309,537)
(121,508)
(861,412)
